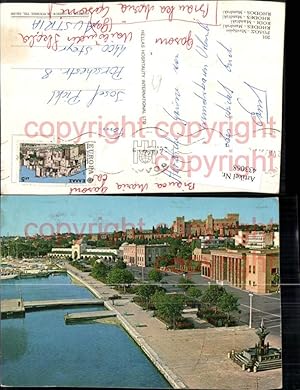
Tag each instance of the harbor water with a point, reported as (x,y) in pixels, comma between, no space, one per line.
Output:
(41,350)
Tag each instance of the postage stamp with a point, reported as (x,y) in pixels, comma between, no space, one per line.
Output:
(48,163)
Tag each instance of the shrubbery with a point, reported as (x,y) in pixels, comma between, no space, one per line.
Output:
(217,306)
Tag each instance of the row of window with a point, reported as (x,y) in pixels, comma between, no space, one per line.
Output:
(253,269)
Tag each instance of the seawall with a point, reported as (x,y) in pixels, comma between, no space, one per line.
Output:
(170,376)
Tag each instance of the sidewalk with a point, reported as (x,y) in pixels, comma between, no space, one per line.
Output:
(196,357)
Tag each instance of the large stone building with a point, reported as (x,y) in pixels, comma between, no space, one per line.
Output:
(179,227)
(259,240)
(261,267)
(256,239)
(204,259)
(80,250)
(227,226)
(241,238)
(143,255)
(229,266)
(129,254)
(276,240)
(251,270)
(145,234)
(211,242)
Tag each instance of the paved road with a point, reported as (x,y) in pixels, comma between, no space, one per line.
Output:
(263,306)
(139,272)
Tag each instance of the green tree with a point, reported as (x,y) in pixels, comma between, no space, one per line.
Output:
(175,244)
(119,277)
(196,244)
(100,270)
(120,264)
(140,241)
(212,295)
(193,295)
(155,275)
(145,292)
(164,260)
(276,281)
(185,251)
(163,263)
(169,307)
(92,261)
(228,304)
(101,243)
(230,244)
(63,241)
(185,283)
(158,297)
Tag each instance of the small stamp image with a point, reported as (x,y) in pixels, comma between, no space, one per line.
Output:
(47,163)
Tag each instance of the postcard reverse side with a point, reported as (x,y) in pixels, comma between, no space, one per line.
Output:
(141,97)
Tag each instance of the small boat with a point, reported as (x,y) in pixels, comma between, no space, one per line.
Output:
(8,276)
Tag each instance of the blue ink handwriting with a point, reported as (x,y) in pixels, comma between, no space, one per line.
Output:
(112,71)
(225,57)
(260,112)
(202,46)
(226,93)
(176,109)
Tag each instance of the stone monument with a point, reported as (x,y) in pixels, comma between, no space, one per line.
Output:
(259,358)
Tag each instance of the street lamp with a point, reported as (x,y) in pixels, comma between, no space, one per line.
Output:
(250,310)
(143,272)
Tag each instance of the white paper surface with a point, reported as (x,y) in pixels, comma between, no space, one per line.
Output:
(141,97)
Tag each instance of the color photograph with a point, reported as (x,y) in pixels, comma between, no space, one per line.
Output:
(141,292)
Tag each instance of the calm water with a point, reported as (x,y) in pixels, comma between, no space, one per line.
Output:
(41,350)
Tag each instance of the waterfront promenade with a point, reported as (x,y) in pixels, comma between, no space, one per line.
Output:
(191,358)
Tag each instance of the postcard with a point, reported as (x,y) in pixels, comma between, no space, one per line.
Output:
(141,292)
(169,96)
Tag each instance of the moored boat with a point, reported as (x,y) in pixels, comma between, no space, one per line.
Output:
(8,276)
